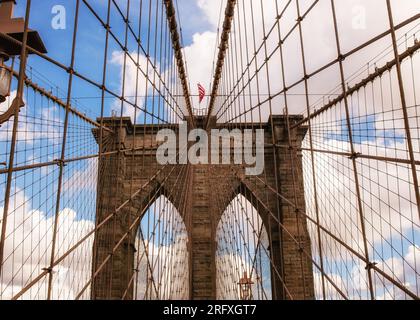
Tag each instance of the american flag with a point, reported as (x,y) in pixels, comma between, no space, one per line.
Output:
(201,92)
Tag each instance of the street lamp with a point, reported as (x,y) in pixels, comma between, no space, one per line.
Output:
(245,289)
(5,77)
(13,28)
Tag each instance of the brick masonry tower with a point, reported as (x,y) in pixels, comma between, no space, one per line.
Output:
(123,173)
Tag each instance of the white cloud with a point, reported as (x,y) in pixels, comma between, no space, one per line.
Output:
(167,254)
(28,249)
(391,220)
(387,194)
(355,283)
(142,87)
(211,10)
(31,128)
(319,44)
(237,251)
(78,179)
(169,265)
(199,56)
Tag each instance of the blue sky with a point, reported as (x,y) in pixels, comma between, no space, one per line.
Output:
(364,130)
(90,45)
(88,62)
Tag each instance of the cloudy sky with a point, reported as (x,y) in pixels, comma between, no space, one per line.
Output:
(389,208)
(358,21)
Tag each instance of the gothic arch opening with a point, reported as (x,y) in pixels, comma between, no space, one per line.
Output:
(161,261)
(243,270)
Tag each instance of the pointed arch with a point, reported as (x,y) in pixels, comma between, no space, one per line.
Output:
(238,188)
(242,252)
(161,256)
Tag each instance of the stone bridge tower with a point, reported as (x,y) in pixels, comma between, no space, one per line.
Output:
(121,173)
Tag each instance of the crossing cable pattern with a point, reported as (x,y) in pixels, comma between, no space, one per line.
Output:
(242,250)
(55,150)
(69,178)
(359,156)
